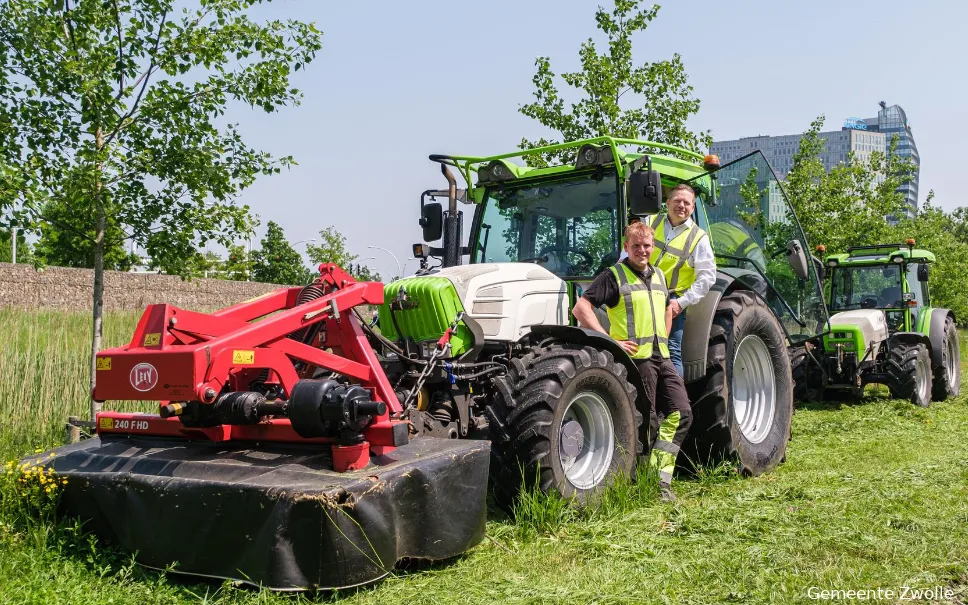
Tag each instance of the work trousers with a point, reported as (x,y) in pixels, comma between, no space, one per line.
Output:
(671,414)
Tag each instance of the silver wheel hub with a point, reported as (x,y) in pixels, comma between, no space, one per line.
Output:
(754,389)
(921,376)
(951,361)
(586,440)
(572,439)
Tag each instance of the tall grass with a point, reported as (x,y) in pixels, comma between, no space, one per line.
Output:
(44,373)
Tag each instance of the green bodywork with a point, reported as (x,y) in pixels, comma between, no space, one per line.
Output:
(432,304)
(849,337)
(673,169)
(875,256)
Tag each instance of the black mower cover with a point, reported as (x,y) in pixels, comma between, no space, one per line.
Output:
(276,516)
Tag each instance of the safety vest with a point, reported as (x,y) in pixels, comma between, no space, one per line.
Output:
(639,315)
(671,257)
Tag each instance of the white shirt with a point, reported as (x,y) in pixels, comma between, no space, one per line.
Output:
(702,260)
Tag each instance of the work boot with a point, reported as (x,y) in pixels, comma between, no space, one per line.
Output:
(666,494)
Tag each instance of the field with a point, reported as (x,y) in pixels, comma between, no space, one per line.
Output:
(872,495)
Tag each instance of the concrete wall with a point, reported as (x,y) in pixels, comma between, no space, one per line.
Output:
(71,290)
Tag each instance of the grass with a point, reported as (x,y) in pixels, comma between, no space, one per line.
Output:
(872,495)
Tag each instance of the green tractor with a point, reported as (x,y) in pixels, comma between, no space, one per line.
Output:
(562,405)
(884,330)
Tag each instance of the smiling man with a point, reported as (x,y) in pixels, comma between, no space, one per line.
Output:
(683,253)
(635,295)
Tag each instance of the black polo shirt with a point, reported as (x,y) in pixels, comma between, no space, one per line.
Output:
(604,290)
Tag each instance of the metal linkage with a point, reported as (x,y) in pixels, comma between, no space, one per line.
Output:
(178,356)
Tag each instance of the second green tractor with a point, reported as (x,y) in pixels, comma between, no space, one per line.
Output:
(884,330)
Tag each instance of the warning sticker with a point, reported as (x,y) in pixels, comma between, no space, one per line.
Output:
(244,358)
(104,363)
(152,339)
(106,423)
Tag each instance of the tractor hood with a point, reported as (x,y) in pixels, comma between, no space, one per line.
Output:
(505,299)
(871,323)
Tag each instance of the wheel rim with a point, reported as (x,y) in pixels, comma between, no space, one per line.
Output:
(951,361)
(754,389)
(586,440)
(921,376)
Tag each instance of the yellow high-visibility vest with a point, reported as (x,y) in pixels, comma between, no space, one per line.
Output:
(639,315)
(671,256)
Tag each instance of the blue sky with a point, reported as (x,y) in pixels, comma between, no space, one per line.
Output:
(397,81)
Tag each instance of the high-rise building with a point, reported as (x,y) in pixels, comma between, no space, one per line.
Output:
(860,136)
(891,120)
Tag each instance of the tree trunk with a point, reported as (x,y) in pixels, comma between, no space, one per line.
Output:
(98,306)
(98,303)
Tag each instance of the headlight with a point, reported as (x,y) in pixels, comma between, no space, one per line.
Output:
(592,155)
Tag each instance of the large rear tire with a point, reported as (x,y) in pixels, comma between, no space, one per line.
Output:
(743,407)
(909,371)
(564,419)
(947,376)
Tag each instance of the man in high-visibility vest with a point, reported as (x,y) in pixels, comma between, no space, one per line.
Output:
(683,253)
(636,297)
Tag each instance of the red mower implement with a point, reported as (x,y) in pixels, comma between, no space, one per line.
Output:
(279,450)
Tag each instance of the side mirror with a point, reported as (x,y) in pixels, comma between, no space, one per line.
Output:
(645,192)
(432,221)
(818,265)
(797,259)
(923,272)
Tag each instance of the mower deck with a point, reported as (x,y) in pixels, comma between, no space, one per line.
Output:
(276,515)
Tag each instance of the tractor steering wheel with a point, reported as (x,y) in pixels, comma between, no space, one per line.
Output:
(586,258)
(585,255)
(870,302)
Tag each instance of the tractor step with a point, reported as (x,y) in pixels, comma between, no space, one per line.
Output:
(275,515)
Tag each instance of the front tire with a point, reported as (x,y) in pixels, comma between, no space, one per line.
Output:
(909,369)
(947,376)
(564,420)
(743,407)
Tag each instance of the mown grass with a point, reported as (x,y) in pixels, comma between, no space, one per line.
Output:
(872,495)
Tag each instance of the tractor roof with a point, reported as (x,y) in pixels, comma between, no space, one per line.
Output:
(673,169)
(881,254)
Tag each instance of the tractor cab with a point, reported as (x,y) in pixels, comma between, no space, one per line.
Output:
(568,219)
(892,278)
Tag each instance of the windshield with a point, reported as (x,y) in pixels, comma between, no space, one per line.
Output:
(749,227)
(569,227)
(870,287)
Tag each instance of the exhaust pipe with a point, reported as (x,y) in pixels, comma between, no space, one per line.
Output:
(452,255)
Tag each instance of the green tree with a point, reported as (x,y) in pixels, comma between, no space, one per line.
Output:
(206,264)
(24,250)
(66,238)
(119,107)
(332,249)
(846,206)
(237,265)
(959,218)
(277,262)
(658,94)
(937,231)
